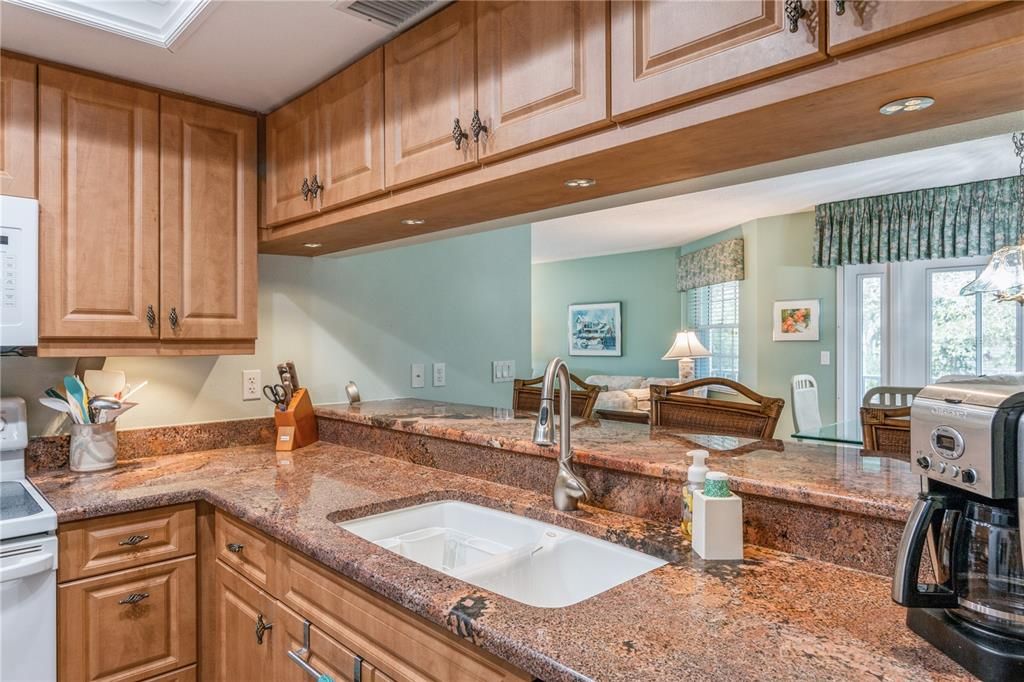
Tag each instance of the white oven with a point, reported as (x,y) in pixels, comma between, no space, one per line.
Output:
(28,561)
(19,265)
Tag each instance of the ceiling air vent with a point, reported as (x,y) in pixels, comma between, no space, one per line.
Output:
(392,13)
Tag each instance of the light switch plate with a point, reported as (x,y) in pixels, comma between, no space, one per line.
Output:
(826,357)
(417,376)
(439,374)
(251,384)
(503,371)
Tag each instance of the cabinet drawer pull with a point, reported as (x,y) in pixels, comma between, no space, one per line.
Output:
(316,186)
(172,317)
(133,540)
(477,126)
(458,135)
(134,598)
(794,13)
(261,628)
(150,316)
(305,189)
(235,547)
(840,7)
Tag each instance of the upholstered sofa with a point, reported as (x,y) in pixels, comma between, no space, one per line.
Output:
(626,393)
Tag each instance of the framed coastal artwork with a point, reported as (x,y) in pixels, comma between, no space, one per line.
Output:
(595,328)
(797,320)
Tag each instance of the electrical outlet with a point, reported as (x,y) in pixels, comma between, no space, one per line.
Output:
(439,374)
(251,384)
(417,376)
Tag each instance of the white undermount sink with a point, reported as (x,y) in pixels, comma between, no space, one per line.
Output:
(530,561)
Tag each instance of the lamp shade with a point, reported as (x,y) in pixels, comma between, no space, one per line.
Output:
(1003,276)
(686,345)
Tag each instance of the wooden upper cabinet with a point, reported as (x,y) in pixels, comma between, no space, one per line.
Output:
(208,222)
(17,127)
(99,207)
(867,23)
(291,159)
(350,123)
(666,53)
(429,81)
(542,72)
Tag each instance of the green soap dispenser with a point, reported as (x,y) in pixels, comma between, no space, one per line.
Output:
(694,481)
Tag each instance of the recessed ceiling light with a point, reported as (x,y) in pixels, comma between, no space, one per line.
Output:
(581,182)
(157,22)
(413,221)
(312,245)
(906,104)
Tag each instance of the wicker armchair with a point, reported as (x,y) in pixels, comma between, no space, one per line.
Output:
(526,396)
(886,430)
(756,419)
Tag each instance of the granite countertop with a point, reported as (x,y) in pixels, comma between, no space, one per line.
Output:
(832,476)
(772,615)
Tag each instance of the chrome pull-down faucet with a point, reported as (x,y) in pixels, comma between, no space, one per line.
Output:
(569,486)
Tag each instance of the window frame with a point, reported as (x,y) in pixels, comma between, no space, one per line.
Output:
(698,308)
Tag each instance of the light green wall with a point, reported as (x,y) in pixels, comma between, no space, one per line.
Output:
(463,301)
(778,267)
(644,281)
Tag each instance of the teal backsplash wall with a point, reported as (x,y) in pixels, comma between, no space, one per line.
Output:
(464,301)
(644,281)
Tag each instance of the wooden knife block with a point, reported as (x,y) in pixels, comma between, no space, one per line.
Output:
(296,426)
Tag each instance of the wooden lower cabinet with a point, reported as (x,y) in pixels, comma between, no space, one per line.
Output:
(242,635)
(324,654)
(128,625)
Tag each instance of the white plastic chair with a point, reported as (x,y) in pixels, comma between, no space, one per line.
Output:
(890,396)
(804,393)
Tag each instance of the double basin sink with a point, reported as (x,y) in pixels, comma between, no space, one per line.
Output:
(530,561)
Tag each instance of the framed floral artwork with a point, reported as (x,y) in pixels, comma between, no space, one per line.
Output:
(798,320)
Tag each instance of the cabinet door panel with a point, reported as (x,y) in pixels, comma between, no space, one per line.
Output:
(292,143)
(17,127)
(350,116)
(105,635)
(430,80)
(237,605)
(867,23)
(208,221)
(99,207)
(543,72)
(665,53)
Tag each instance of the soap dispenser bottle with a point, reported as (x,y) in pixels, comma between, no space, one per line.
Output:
(694,481)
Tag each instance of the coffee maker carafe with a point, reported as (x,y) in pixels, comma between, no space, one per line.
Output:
(967,443)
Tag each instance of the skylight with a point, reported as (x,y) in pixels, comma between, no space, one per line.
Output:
(157,22)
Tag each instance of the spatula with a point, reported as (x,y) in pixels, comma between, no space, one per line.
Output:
(77,397)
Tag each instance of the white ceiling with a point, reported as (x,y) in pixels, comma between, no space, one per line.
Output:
(251,54)
(677,220)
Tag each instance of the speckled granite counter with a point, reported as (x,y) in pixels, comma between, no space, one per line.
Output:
(835,477)
(772,616)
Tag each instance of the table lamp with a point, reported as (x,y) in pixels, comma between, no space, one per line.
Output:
(685,348)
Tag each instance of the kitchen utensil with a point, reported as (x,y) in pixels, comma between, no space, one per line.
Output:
(275,394)
(56,395)
(77,397)
(111,415)
(131,391)
(104,381)
(293,375)
(59,405)
(99,405)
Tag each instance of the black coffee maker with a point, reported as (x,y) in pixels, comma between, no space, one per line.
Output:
(967,442)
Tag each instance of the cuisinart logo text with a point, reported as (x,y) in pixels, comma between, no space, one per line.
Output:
(956,412)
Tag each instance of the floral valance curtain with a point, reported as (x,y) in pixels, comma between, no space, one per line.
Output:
(722,262)
(973,219)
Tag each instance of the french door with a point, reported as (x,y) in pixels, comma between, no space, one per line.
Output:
(906,324)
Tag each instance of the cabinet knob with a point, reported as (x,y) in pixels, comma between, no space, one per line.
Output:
(840,7)
(150,316)
(477,126)
(306,189)
(133,540)
(261,628)
(172,317)
(458,135)
(235,547)
(794,13)
(134,598)
(316,186)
